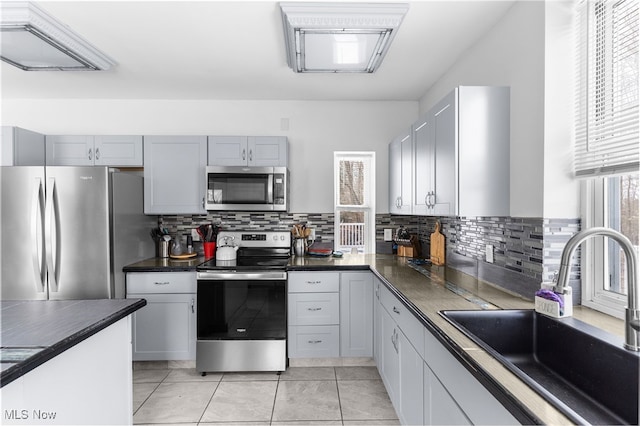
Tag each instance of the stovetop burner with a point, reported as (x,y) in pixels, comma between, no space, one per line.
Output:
(257,251)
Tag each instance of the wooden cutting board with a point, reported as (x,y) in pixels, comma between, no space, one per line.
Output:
(437,246)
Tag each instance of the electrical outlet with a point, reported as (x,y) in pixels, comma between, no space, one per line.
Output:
(489,253)
(388,234)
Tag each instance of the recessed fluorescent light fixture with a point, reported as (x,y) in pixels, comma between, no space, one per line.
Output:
(339,37)
(33,40)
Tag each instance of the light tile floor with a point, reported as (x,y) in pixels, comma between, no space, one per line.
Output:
(300,395)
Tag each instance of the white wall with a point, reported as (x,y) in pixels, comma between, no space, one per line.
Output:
(561,189)
(315,130)
(511,54)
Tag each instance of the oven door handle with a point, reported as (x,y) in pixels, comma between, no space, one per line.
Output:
(236,276)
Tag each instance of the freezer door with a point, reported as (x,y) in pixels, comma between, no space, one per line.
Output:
(77,233)
(22,270)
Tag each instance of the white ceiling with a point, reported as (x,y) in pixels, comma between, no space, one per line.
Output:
(234,50)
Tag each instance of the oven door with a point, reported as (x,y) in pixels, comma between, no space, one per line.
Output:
(241,321)
(241,306)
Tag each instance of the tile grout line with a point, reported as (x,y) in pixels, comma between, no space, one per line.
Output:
(210,399)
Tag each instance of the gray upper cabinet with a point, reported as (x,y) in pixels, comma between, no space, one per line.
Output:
(400,174)
(82,150)
(461,154)
(174,174)
(21,147)
(259,151)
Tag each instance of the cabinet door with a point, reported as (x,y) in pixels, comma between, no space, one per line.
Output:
(390,361)
(21,147)
(400,175)
(228,151)
(174,174)
(69,150)
(439,407)
(423,156)
(164,329)
(356,314)
(267,151)
(118,150)
(411,383)
(445,167)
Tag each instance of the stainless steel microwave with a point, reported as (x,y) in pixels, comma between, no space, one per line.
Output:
(240,188)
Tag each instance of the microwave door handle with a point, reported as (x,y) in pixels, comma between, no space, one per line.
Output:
(270,189)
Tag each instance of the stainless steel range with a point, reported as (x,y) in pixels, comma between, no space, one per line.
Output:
(242,309)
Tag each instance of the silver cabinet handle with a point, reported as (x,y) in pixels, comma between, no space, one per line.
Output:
(162,282)
(193,308)
(244,154)
(396,310)
(90,152)
(314,309)
(250,155)
(313,342)
(203,202)
(97,153)
(426,200)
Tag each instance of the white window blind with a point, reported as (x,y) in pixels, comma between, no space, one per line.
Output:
(607,130)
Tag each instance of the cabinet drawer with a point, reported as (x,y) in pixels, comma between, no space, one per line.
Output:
(314,282)
(314,341)
(408,323)
(314,309)
(161,282)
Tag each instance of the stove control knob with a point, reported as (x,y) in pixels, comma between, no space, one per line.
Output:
(282,237)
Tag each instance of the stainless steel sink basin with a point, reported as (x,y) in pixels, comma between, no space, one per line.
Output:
(585,372)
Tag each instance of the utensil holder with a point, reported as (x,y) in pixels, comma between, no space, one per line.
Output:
(299,246)
(163,248)
(209,249)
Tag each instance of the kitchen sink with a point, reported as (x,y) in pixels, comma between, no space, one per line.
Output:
(583,371)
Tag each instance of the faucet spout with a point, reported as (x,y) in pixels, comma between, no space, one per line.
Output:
(632,318)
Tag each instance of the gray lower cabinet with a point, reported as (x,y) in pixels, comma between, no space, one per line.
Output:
(330,314)
(174,174)
(356,314)
(475,403)
(401,362)
(164,329)
(425,383)
(313,315)
(439,407)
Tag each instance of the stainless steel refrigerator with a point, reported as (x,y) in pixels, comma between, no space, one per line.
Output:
(66,232)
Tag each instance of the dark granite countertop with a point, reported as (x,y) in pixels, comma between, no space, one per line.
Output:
(34,331)
(164,264)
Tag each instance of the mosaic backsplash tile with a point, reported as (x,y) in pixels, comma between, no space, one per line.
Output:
(530,248)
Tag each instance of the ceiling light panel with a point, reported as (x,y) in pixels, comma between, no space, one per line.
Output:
(339,37)
(33,40)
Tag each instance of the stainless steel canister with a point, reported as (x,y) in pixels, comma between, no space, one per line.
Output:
(163,248)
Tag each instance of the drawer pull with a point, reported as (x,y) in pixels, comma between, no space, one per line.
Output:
(162,282)
(396,310)
(314,309)
(314,341)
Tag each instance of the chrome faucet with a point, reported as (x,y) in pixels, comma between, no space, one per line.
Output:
(632,318)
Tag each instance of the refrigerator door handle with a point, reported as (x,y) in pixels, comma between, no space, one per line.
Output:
(37,252)
(51,225)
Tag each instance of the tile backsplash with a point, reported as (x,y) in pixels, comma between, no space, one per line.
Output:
(526,250)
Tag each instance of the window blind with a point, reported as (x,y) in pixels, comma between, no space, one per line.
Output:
(607,114)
